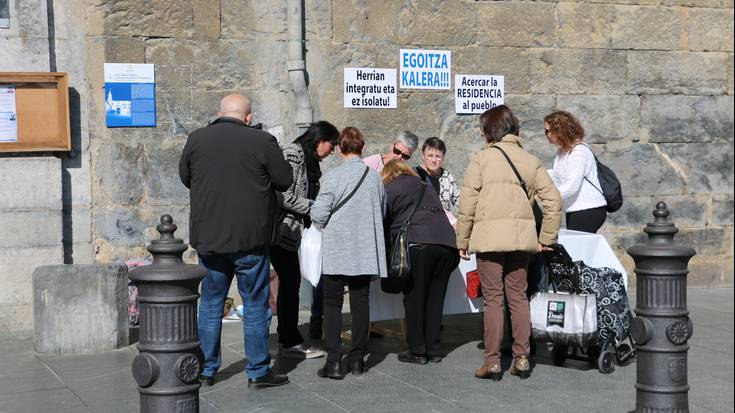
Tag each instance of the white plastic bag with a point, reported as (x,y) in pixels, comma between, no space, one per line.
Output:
(310,255)
(563,318)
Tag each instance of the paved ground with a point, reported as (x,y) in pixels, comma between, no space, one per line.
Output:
(103,382)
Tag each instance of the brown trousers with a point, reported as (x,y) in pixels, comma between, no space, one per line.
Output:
(499,272)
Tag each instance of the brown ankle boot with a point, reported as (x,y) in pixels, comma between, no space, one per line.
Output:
(487,371)
(521,367)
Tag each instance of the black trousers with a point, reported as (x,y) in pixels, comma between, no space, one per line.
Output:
(286,264)
(587,220)
(359,286)
(423,299)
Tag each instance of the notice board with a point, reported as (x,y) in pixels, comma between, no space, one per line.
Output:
(41,112)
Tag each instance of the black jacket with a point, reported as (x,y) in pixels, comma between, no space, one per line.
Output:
(429,225)
(232,172)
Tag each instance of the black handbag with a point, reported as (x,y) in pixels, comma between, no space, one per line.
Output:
(399,260)
(611,189)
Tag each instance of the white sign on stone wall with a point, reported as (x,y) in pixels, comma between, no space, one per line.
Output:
(426,69)
(370,88)
(478,93)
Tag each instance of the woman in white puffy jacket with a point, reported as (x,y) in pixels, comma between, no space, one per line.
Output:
(575,173)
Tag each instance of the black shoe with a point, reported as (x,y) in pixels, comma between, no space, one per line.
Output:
(332,370)
(356,367)
(408,357)
(270,379)
(435,358)
(481,345)
(315,328)
(206,380)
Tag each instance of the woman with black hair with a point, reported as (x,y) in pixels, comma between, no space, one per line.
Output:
(304,155)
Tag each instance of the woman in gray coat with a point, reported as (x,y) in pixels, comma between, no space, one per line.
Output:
(349,208)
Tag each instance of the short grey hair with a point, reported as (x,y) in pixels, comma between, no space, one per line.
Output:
(409,139)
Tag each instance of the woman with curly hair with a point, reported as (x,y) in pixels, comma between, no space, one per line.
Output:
(575,173)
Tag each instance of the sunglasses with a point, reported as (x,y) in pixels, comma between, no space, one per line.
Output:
(397,151)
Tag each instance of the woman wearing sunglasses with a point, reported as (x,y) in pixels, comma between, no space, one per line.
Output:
(402,149)
(575,173)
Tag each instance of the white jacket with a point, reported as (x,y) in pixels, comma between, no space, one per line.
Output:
(568,174)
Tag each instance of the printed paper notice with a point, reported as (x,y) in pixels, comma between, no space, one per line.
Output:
(130,95)
(426,69)
(369,88)
(8,116)
(477,93)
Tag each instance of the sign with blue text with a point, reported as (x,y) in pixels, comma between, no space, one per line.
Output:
(426,69)
(130,95)
(370,88)
(478,93)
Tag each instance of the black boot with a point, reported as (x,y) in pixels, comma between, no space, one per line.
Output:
(356,367)
(332,370)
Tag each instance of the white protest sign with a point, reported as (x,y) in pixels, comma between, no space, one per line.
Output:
(477,93)
(426,69)
(369,88)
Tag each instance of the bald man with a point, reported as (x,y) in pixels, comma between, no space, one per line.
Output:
(232,171)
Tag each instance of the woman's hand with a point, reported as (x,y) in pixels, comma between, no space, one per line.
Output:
(544,248)
(464,255)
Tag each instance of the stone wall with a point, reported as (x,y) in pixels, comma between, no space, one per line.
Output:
(652,82)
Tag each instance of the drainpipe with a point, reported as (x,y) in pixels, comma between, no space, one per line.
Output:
(297,65)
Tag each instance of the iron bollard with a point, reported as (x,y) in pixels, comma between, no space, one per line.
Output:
(662,327)
(168,366)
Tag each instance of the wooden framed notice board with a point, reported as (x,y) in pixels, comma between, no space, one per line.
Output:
(42,112)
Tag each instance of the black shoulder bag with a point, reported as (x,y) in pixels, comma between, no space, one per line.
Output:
(399,261)
(611,189)
(538,214)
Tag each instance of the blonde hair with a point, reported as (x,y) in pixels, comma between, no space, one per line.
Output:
(396,168)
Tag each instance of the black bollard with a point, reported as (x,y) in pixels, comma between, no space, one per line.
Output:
(662,327)
(168,366)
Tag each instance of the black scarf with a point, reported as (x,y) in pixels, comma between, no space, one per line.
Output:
(313,171)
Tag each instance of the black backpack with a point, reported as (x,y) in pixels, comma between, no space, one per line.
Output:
(611,189)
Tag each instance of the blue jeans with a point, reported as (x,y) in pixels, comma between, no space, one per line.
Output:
(252,269)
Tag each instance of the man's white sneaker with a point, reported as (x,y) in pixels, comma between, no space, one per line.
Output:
(302,351)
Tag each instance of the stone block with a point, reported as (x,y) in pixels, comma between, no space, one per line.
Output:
(173,78)
(730,74)
(79,179)
(517,24)
(241,18)
(456,19)
(207,18)
(149,18)
(27,228)
(711,29)
(80,308)
(33,19)
(706,241)
(676,118)
(575,71)
(174,112)
(707,168)
(687,211)
(119,227)
(171,52)
(78,225)
(39,178)
(643,170)
(318,19)
(693,3)
(648,28)
(28,55)
(676,73)
(722,209)
(585,26)
(162,182)
(81,253)
(383,21)
(124,50)
(511,62)
(604,118)
(16,317)
(530,110)
(16,268)
(119,171)
(710,272)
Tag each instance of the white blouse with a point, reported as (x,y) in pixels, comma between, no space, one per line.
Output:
(568,174)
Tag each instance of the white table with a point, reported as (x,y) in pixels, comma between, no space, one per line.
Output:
(593,249)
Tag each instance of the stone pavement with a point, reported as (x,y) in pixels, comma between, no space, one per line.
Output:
(103,382)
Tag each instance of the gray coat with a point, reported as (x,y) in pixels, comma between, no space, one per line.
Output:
(353,242)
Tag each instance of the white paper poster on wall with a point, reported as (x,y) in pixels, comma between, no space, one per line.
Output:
(478,93)
(8,115)
(370,88)
(426,69)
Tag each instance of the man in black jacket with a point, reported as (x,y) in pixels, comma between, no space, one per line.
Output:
(232,171)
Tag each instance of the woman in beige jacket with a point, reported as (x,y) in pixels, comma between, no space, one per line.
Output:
(496,222)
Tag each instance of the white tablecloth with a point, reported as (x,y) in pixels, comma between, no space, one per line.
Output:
(593,249)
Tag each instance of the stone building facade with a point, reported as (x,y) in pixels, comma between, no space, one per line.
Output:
(651,80)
